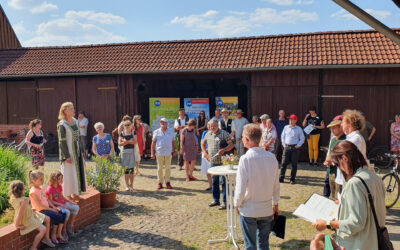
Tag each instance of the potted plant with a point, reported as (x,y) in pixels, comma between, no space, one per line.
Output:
(105,177)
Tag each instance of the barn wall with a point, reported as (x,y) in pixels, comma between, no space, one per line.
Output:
(8,39)
(3,103)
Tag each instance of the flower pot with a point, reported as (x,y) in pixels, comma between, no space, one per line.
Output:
(107,200)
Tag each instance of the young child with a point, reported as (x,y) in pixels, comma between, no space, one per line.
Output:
(127,140)
(25,219)
(55,194)
(41,204)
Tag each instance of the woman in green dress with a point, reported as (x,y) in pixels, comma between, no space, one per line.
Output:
(72,162)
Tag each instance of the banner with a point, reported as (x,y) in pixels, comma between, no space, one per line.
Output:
(193,106)
(231,103)
(163,107)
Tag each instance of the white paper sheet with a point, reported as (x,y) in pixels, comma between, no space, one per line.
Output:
(308,129)
(318,207)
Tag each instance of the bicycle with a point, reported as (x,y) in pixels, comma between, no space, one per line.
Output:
(380,157)
(22,147)
(391,182)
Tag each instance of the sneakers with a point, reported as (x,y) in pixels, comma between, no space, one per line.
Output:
(293,182)
(159,186)
(222,206)
(169,185)
(214,203)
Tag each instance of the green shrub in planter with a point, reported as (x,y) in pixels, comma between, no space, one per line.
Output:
(106,175)
(13,166)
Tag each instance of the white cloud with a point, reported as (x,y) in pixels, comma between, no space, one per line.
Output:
(289,2)
(344,14)
(99,17)
(70,30)
(34,6)
(20,30)
(240,22)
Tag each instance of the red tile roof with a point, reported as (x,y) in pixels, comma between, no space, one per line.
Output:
(345,48)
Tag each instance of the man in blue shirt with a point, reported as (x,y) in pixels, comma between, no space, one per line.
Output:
(292,138)
(279,124)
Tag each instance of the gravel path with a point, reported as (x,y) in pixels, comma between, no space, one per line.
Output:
(181,219)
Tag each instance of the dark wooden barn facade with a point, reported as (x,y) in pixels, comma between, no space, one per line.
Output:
(8,39)
(332,70)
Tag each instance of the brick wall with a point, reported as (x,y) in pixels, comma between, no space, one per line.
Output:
(7,129)
(89,204)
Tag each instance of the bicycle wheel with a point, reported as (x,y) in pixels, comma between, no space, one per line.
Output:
(391,182)
(378,156)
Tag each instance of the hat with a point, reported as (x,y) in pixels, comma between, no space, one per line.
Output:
(164,120)
(224,110)
(239,111)
(338,118)
(264,117)
(334,123)
(293,116)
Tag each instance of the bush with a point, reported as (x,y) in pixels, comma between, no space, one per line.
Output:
(13,166)
(106,175)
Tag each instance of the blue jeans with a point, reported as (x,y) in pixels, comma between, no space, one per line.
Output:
(215,188)
(256,232)
(327,188)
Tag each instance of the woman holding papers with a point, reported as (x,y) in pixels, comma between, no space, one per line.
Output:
(355,227)
(313,124)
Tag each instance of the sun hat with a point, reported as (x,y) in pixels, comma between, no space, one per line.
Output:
(164,120)
(334,123)
(264,117)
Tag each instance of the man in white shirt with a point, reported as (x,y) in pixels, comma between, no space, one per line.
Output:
(257,190)
(163,147)
(237,129)
(83,125)
(179,125)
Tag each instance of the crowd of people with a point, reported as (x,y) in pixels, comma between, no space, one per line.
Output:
(265,148)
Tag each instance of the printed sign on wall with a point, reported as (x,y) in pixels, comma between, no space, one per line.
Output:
(163,107)
(230,103)
(193,106)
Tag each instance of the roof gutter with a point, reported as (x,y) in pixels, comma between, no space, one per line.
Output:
(230,70)
(368,19)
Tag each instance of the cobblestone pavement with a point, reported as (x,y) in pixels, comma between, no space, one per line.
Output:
(181,219)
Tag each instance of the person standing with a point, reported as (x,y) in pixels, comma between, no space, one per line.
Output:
(269,136)
(292,139)
(255,120)
(102,145)
(331,188)
(138,127)
(127,141)
(237,129)
(225,123)
(217,116)
(279,124)
(352,123)
(205,164)
(368,132)
(188,149)
(263,124)
(83,126)
(395,135)
(315,120)
(35,140)
(179,125)
(72,162)
(256,206)
(163,147)
(201,126)
(213,152)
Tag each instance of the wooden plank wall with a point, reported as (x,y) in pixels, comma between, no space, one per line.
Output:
(3,103)
(8,39)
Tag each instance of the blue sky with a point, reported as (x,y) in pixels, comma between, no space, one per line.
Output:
(72,22)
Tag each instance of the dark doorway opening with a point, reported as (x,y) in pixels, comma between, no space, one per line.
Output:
(191,87)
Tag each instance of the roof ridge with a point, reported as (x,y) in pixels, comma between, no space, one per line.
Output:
(203,40)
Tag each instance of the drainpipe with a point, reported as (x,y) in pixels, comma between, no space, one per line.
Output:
(368,19)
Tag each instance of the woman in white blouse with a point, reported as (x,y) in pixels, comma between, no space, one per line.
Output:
(352,122)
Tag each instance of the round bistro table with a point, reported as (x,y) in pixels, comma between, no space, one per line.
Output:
(229,172)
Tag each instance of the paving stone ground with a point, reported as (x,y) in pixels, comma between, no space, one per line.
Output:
(181,219)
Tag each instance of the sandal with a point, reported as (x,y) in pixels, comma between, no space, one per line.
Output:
(55,241)
(70,230)
(62,240)
(48,243)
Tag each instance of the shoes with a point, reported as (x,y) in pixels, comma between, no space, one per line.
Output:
(292,182)
(180,168)
(311,163)
(214,203)
(62,240)
(65,235)
(131,189)
(169,185)
(281,180)
(193,178)
(70,229)
(222,206)
(208,189)
(48,243)
(187,179)
(159,186)
(55,241)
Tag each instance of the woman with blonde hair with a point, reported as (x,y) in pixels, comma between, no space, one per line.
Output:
(72,162)
(35,140)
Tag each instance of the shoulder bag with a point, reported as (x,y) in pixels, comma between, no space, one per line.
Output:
(383,234)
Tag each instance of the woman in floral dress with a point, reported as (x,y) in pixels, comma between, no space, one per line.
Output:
(395,132)
(35,140)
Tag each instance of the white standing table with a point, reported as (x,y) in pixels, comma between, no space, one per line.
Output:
(231,215)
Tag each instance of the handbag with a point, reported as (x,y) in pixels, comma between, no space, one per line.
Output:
(383,234)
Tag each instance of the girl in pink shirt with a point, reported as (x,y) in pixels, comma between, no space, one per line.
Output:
(41,204)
